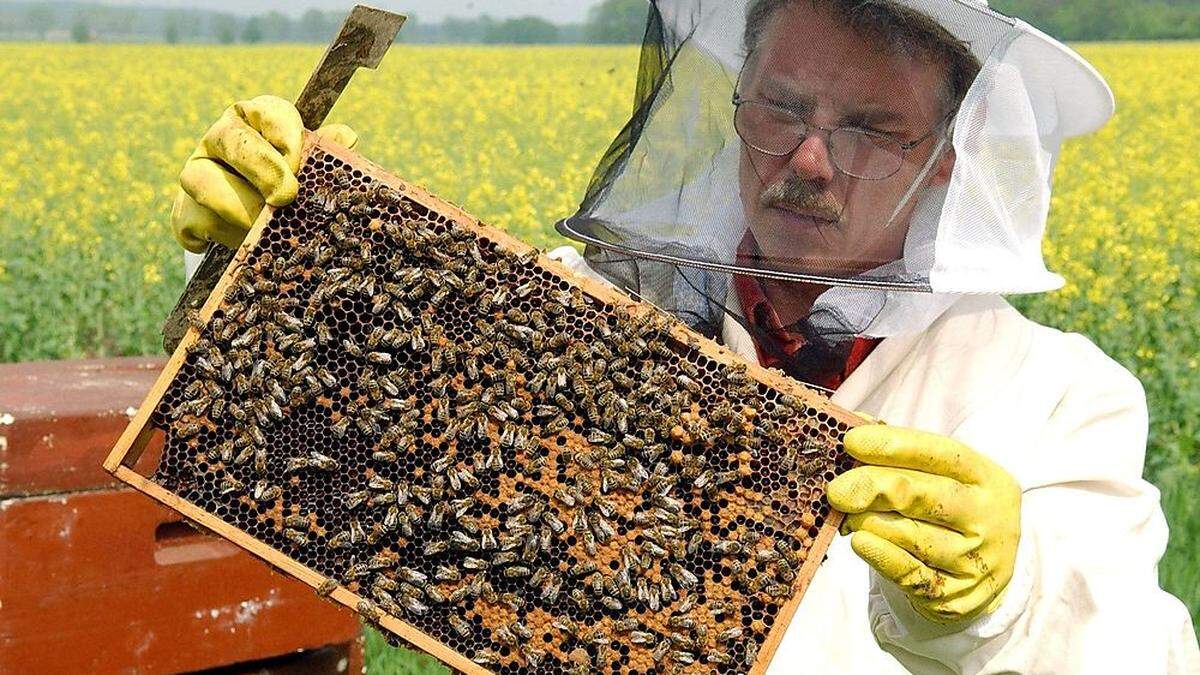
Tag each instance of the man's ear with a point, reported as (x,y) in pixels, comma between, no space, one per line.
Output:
(945,167)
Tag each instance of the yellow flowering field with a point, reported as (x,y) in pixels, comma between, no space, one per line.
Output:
(93,137)
(96,135)
(1124,226)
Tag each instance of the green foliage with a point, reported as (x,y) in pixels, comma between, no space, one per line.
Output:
(608,22)
(617,21)
(225,28)
(1179,570)
(467,30)
(278,26)
(1108,19)
(40,19)
(384,660)
(80,32)
(252,32)
(526,30)
(317,26)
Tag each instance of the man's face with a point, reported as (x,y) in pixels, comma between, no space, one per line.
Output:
(805,214)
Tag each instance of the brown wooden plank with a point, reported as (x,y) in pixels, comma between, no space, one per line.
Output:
(108,581)
(59,418)
(281,561)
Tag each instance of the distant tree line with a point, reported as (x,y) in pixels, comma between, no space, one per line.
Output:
(88,22)
(609,21)
(1109,19)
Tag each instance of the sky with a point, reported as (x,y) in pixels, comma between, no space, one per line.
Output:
(432,11)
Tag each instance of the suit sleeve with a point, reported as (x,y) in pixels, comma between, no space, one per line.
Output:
(1085,595)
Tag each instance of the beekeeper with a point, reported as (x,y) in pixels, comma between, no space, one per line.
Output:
(845,189)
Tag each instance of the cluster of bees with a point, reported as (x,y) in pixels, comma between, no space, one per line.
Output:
(491,445)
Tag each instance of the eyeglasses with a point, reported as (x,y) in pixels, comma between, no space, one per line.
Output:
(860,153)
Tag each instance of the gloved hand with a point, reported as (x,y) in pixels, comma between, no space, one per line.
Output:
(247,158)
(932,516)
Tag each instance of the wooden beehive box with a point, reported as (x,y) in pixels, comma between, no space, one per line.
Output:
(95,578)
(511,467)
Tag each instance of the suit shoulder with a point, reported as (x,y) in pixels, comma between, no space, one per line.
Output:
(993,324)
(1089,370)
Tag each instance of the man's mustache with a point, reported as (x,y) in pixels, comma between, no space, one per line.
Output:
(795,194)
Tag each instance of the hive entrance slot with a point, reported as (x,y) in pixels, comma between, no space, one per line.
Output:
(180,542)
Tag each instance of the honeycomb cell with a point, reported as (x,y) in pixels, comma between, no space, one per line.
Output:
(535,477)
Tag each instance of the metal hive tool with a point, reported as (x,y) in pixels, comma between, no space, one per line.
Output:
(508,466)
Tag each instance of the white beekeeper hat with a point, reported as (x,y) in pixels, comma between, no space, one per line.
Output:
(1063,86)
(663,192)
(1032,93)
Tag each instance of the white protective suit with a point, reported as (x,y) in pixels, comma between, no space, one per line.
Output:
(1070,425)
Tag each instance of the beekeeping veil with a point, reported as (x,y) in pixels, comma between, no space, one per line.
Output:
(664,216)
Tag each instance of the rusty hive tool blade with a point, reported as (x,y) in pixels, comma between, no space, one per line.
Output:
(364,38)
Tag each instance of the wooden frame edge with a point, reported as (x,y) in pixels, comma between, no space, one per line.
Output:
(119,459)
(281,561)
(805,576)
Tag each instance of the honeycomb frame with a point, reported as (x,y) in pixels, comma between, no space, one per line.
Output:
(618,625)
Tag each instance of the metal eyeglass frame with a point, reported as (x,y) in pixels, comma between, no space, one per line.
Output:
(807,127)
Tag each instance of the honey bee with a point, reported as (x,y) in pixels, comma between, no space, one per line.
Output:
(688,603)
(327,587)
(322,462)
(766,555)
(682,622)
(683,657)
(195,321)
(474,564)
(265,493)
(611,603)
(435,595)
(534,658)
(727,547)
(459,625)
(751,654)
(505,636)
(230,484)
(446,573)
(550,588)
(729,634)
(382,499)
(661,650)
(777,590)
(296,537)
(641,637)
(463,541)
(340,427)
(567,626)
(486,657)
(368,610)
(487,539)
(684,577)
(718,658)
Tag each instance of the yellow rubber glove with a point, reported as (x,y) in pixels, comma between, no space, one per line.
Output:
(247,158)
(932,516)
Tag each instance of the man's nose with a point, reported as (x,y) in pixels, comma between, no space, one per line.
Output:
(811,160)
